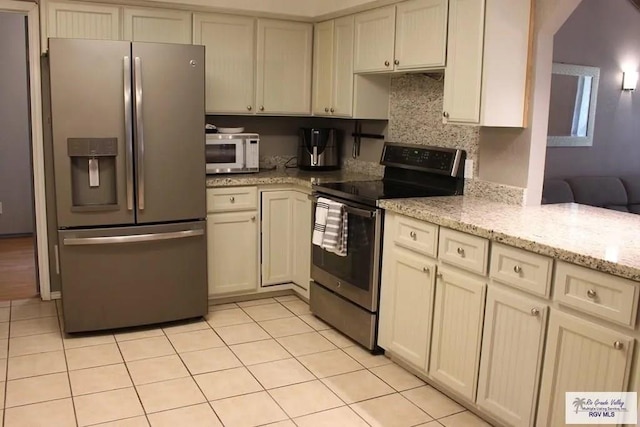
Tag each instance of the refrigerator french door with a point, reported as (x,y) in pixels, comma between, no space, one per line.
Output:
(127,126)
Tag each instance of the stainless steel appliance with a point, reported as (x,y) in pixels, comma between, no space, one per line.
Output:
(127,136)
(319,149)
(345,290)
(232,153)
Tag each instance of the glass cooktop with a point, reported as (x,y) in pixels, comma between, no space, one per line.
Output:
(368,192)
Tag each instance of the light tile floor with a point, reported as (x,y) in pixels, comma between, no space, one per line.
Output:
(263,362)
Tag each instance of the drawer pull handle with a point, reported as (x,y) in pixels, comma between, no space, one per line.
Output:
(618,345)
(592,294)
(232,199)
(517,269)
(460,252)
(413,235)
(535,312)
(425,269)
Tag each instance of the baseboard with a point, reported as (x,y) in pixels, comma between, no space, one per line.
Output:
(56,295)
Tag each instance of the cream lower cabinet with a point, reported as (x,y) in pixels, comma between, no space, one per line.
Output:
(301,239)
(580,356)
(457,330)
(276,242)
(406,302)
(157,25)
(232,245)
(283,74)
(511,360)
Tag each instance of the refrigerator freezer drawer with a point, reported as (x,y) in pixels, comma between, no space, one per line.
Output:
(130,276)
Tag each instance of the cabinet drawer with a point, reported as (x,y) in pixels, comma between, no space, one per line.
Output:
(416,235)
(464,250)
(524,270)
(600,294)
(232,199)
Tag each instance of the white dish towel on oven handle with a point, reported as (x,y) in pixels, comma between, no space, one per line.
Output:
(320,223)
(336,230)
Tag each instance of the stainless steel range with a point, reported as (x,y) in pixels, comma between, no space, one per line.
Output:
(345,289)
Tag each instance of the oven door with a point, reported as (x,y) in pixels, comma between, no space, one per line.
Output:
(355,276)
(225,156)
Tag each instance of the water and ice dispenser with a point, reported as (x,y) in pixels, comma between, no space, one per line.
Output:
(93,173)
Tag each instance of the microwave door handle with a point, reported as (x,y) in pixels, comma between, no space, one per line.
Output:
(128,131)
(139,130)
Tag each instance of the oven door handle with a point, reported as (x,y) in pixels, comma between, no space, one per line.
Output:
(351,209)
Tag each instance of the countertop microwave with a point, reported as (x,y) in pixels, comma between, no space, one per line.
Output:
(232,153)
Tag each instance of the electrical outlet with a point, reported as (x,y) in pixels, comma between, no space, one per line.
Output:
(468,169)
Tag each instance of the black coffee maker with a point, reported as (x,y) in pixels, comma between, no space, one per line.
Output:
(319,149)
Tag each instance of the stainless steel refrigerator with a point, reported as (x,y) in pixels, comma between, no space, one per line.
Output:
(127,135)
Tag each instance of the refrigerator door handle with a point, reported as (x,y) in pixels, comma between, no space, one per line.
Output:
(107,240)
(139,130)
(128,130)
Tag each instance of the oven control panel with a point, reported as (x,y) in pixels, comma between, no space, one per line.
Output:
(440,160)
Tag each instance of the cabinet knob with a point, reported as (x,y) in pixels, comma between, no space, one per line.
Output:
(326,109)
(339,283)
(413,235)
(592,293)
(396,62)
(332,109)
(249,107)
(439,275)
(460,252)
(262,108)
(425,269)
(386,63)
(535,311)
(618,345)
(517,269)
(253,218)
(445,114)
(232,199)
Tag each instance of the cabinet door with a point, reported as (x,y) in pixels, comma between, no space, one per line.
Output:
(421,34)
(157,25)
(342,98)
(277,259)
(83,21)
(323,68)
(580,356)
(301,239)
(230,61)
(457,330)
(374,34)
(283,83)
(232,251)
(511,361)
(463,75)
(406,303)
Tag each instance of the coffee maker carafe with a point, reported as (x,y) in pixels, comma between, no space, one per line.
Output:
(319,149)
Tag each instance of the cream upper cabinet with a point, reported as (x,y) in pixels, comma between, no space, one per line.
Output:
(157,25)
(232,252)
(580,356)
(421,34)
(409,36)
(463,75)
(487,58)
(277,254)
(457,330)
(374,39)
(333,68)
(511,360)
(82,21)
(301,239)
(284,50)
(230,61)
(406,302)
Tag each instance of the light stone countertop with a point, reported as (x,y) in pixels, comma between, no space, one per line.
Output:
(597,238)
(286,176)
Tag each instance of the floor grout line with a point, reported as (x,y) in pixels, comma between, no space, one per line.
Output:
(66,364)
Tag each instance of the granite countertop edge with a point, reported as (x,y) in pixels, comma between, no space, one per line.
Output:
(430,210)
(292,177)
